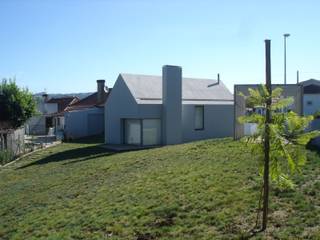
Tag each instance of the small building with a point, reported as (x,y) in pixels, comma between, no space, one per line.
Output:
(311,96)
(51,115)
(149,110)
(86,117)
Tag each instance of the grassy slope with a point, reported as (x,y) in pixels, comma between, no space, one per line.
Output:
(202,190)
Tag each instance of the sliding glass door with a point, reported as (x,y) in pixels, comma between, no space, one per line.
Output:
(144,132)
(132,130)
(151,132)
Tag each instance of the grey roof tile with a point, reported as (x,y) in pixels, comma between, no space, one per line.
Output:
(147,89)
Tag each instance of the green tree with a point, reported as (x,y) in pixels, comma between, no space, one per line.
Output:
(286,136)
(16,104)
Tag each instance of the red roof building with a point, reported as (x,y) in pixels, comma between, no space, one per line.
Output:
(63,102)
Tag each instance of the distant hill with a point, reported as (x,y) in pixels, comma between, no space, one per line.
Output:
(58,95)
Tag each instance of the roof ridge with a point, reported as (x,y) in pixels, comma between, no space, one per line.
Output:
(150,75)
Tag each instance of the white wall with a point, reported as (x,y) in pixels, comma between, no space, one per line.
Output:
(15,141)
(61,125)
(218,122)
(250,128)
(83,123)
(120,105)
(36,125)
(51,108)
(171,104)
(315,106)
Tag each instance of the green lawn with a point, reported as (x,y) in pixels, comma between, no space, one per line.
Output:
(202,190)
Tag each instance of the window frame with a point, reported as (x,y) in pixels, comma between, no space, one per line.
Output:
(195,107)
(123,120)
(124,131)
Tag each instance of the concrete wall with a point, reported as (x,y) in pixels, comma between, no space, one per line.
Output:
(120,105)
(36,125)
(289,90)
(59,127)
(83,123)
(218,122)
(15,141)
(310,109)
(171,104)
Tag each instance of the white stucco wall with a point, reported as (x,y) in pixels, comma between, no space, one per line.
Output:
(250,128)
(315,103)
(120,105)
(83,123)
(59,127)
(50,108)
(218,122)
(171,105)
(15,141)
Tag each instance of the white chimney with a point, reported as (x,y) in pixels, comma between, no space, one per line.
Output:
(45,97)
(171,104)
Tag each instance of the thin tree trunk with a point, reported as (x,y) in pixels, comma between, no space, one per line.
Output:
(265,207)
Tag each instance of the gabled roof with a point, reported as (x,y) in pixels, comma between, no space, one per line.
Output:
(63,102)
(311,86)
(90,101)
(310,82)
(147,89)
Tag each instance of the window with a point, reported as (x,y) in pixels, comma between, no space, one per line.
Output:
(144,132)
(132,131)
(199,118)
(151,132)
(309,103)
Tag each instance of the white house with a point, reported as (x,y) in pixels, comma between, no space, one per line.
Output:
(51,115)
(154,110)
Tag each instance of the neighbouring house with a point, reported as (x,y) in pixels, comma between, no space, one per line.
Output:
(289,90)
(311,101)
(51,115)
(86,117)
(306,95)
(36,125)
(311,96)
(149,110)
(55,109)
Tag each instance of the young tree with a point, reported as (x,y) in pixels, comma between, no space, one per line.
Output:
(286,136)
(16,104)
(278,139)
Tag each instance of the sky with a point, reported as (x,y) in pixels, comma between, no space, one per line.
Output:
(64,46)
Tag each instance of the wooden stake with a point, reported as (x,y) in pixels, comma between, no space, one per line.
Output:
(265,207)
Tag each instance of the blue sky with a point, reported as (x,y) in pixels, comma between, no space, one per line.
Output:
(64,46)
